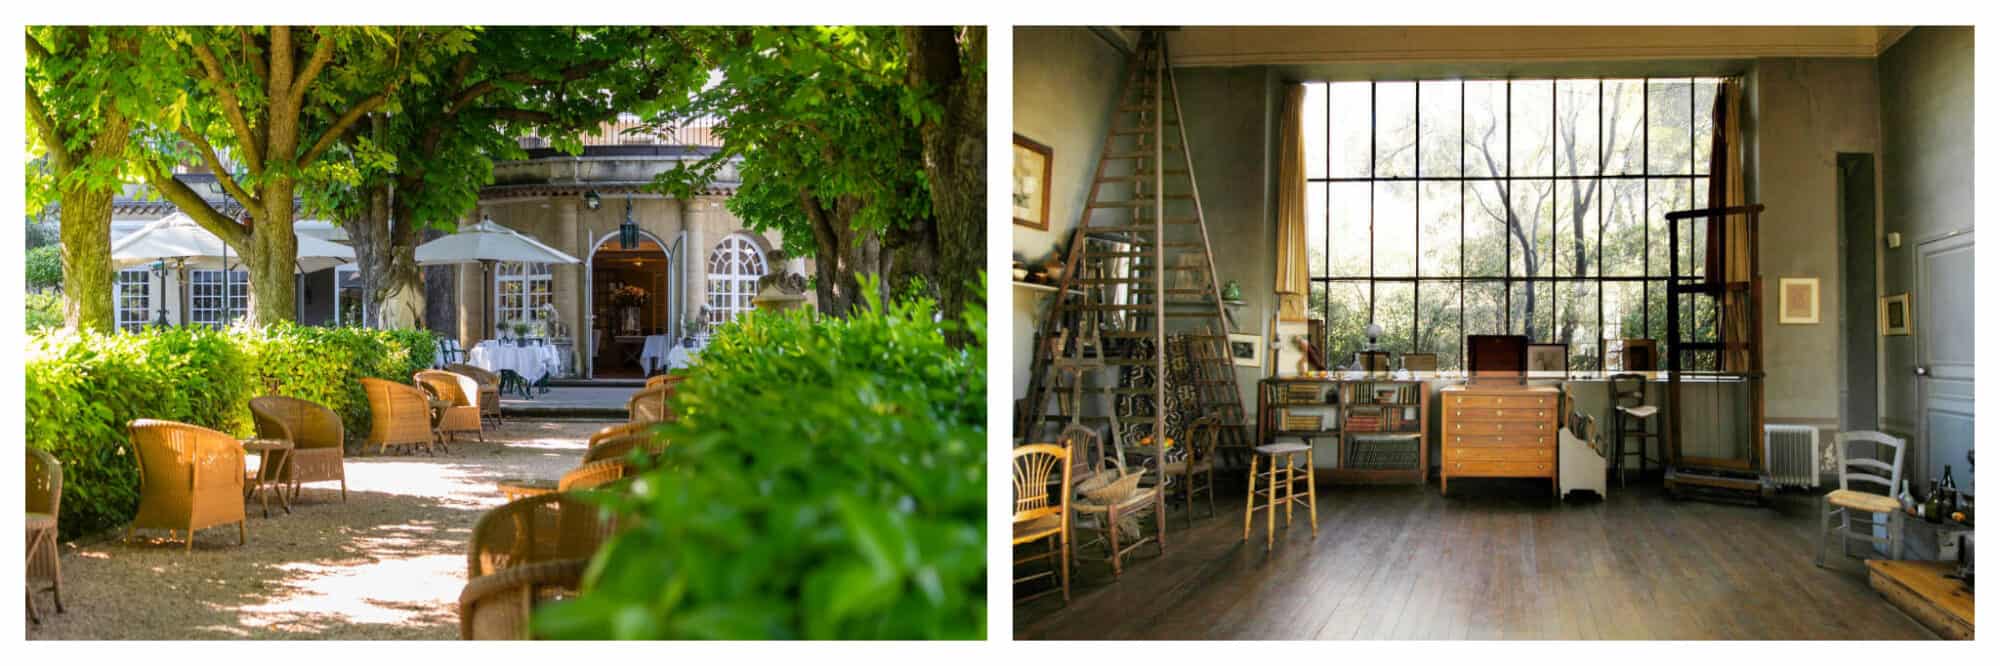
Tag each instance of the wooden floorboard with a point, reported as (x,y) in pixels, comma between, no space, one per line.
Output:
(1497,560)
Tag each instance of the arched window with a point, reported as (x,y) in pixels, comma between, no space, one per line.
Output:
(733,269)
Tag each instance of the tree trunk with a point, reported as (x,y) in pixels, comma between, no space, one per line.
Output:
(274,259)
(399,286)
(86,258)
(954,149)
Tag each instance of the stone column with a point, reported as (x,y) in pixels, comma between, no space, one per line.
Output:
(567,288)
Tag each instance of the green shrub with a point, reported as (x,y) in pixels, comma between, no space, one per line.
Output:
(44,267)
(827,479)
(44,310)
(83,388)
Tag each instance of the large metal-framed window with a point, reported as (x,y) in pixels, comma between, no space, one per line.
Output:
(217,298)
(733,269)
(133,291)
(1439,209)
(523,289)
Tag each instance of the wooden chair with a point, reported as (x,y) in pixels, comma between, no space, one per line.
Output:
(449,351)
(1203,435)
(489,390)
(1038,515)
(498,606)
(463,394)
(190,478)
(1864,469)
(1110,499)
(1629,418)
(399,415)
(591,475)
(649,405)
(44,506)
(318,439)
(543,528)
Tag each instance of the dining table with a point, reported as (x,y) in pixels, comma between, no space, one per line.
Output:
(533,363)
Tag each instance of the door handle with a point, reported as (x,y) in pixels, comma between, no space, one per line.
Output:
(1923,371)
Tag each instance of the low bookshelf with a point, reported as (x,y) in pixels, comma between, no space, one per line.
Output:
(1378,427)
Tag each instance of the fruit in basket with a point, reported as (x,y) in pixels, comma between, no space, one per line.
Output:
(1148,441)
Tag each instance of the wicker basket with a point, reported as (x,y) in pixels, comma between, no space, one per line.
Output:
(1105,489)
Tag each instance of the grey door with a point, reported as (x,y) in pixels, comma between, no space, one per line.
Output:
(1942,307)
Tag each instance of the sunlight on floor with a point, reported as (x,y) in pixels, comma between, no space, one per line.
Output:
(393,591)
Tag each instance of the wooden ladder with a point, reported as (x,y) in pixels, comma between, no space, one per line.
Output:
(1139,266)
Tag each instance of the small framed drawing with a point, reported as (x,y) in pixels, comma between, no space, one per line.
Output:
(1420,362)
(1798,300)
(1247,349)
(1896,314)
(1548,360)
(1031,182)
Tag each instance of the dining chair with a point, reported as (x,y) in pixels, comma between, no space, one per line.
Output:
(1040,515)
(1868,468)
(1196,472)
(498,606)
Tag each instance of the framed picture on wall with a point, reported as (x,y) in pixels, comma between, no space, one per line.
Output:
(1896,314)
(1548,360)
(1031,182)
(1798,300)
(1247,349)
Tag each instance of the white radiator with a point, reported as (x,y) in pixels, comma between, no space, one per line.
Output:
(1791,455)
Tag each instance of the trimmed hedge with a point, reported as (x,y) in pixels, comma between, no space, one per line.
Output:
(826,479)
(83,388)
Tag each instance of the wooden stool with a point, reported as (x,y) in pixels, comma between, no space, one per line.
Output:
(1630,416)
(1280,477)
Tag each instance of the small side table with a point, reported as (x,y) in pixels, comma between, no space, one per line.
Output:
(272,454)
(515,489)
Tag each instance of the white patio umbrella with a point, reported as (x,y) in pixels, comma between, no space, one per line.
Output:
(483,244)
(177,238)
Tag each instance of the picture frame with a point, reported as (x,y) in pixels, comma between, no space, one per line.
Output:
(1548,360)
(1032,177)
(1798,300)
(1420,362)
(1895,314)
(1496,357)
(1247,349)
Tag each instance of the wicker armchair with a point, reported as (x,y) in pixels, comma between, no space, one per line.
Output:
(400,415)
(668,379)
(543,528)
(489,390)
(463,394)
(649,405)
(591,475)
(497,607)
(619,430)
(317,436)
(44,505)
(622,446)
(190,478)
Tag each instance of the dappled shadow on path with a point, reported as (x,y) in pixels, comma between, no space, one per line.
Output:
(386,564)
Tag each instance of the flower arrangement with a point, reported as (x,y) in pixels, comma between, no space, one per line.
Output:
(628,296)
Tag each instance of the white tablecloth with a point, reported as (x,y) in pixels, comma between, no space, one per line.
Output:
(679,357)
(531,363)
(655,349)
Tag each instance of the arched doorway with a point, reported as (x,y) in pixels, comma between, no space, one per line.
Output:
(630,296)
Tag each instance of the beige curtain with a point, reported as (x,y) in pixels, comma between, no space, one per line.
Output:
(1292,286)
(1725,188)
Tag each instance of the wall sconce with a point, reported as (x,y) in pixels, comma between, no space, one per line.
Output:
(591,200)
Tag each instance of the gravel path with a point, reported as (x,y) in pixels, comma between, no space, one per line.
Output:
(387,564)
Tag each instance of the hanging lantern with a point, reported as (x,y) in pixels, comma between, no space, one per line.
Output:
(591,201)
(628,232)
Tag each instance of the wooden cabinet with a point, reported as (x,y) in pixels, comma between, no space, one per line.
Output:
(1379,428)
(1498,431)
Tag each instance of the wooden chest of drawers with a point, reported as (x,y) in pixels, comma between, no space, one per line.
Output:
(1499,431)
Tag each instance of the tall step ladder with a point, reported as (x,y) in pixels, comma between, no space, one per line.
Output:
(1715,334)
(1139,268)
